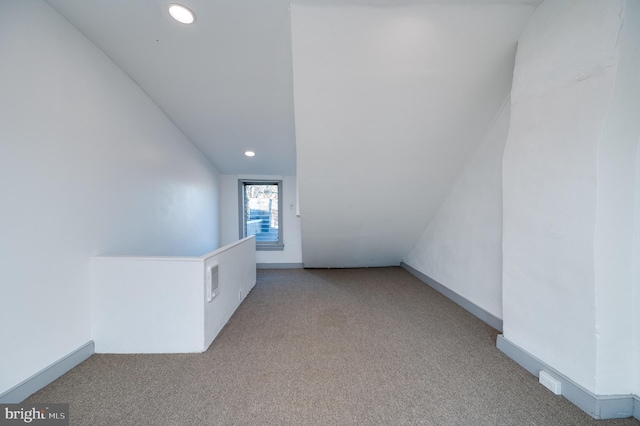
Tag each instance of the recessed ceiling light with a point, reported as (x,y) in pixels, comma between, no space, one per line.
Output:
(249,153)
(181,14)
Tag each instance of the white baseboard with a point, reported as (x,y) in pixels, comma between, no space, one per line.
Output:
(279,266)
(597,406)
(42,378)
(468,305)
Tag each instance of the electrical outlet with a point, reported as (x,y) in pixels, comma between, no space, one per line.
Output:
(550,382)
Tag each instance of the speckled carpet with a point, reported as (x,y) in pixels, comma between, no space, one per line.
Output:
(324,347)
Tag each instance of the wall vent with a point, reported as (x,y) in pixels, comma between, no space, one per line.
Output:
(213,285)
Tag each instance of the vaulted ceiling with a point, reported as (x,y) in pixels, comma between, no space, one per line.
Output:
(225,81)
(391,97)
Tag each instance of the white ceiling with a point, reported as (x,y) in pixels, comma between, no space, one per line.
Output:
(225,81)
(228,83)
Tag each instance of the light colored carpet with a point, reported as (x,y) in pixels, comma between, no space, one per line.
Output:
(324,347)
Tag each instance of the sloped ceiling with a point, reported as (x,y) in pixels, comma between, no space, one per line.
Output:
(227,83)
(390,104)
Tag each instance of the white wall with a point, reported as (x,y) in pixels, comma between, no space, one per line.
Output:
(160,304)
(636,279)
(634,8)
(615,213)
(462,246)
(390,104)
(88,165)
(291,232)
(147,304)
(236,277)
(568,179)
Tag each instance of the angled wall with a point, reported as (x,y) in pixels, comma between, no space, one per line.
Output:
(569,188)
(390,104)
(88,165)
(461,248)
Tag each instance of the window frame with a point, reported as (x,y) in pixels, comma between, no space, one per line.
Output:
(261,245)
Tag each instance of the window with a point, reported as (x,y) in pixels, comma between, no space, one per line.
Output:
(260,206)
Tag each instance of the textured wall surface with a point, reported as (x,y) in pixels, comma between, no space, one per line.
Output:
(557,178)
